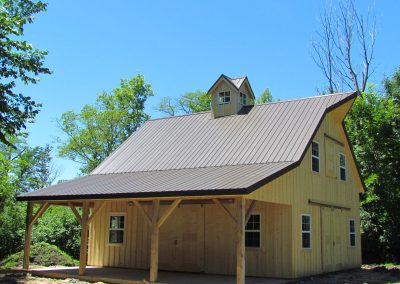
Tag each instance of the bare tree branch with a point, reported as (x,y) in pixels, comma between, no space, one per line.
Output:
(344,31)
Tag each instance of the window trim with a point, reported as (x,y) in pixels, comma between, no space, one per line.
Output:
(244,97)
(345,167)
(224,96)
(352,233)
(119,214)
(302,231)
(254,231)
(317,157)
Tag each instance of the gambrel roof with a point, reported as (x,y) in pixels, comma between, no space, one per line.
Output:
(197,155)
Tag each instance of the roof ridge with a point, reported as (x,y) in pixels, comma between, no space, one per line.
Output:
(180,115)
(306,98)
(269,103)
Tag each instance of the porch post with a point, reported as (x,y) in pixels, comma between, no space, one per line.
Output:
(240,240)
(154,241)
(28,235)
(84,239)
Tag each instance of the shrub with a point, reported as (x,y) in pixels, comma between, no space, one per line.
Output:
(42,254)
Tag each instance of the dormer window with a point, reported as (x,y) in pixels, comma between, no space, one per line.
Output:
(243,99)
(224,98)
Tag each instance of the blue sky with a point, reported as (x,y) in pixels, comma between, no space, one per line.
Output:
(182,46)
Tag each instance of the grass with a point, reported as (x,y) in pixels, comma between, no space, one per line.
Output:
(42,254)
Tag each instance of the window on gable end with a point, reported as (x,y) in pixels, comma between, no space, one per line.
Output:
(224,97)
(243,99)
(342,167)
(315,156)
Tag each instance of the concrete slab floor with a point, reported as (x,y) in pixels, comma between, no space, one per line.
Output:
(128,276)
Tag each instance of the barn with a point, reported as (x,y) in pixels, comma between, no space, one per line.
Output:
(269,190)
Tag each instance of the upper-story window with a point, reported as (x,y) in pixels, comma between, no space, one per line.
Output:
(243,99)
(315,156)
(224,97)
(342,166)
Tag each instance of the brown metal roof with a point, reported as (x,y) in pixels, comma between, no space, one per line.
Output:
(268,133)
(201,181)
(195,154)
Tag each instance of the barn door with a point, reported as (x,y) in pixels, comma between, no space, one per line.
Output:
(326,239)
(182,240)
(332,237)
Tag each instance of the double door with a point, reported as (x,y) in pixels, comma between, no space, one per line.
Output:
(333,237)
(181,240)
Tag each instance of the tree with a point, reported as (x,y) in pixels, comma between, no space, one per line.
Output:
(97,130)
(374,131)
(265,97)
(190,102)
(22,169)
(343,49)
(19,61)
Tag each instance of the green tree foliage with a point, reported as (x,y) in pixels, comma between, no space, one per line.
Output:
(22,169)
(265,97)
(190,102)
(58,226)
(19,61)
(97,130)
(374,130)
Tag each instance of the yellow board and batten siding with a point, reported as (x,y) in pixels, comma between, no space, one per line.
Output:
(301,184)
(195,238)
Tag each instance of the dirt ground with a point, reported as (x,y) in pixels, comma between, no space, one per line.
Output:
(371,274)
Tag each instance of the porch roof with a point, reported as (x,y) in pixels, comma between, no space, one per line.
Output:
(227,180)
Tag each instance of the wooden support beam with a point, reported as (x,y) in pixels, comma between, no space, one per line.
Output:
(140,207)
(154,242)
(76,213)
(84,239)
(39,213)
(28,235)
(250,211)
(96,210)
(226,210)
(240,240)
(169,211)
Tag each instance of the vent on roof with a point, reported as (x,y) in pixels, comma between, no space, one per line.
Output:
(230,95)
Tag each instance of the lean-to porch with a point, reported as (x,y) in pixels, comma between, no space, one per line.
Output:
(204,235)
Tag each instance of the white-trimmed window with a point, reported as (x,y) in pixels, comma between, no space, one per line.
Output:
(352,232)
(243,99)
(315,156)
(116,228)
(253,231)
(306,231)
(224,97)
(342,167)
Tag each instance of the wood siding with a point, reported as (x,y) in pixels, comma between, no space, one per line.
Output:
(231,108)
(197,238)
(301,184)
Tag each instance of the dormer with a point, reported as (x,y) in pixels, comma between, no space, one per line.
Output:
(230,95)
